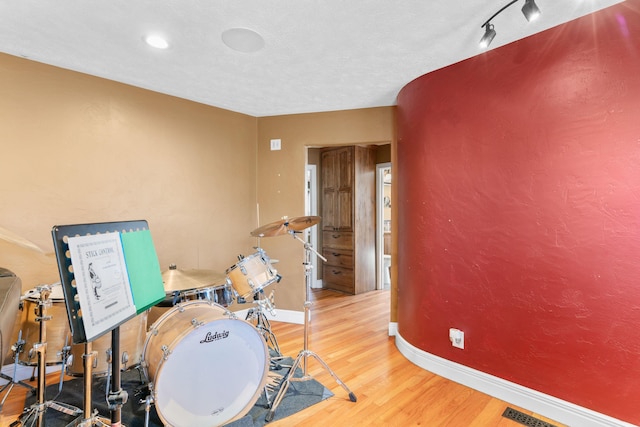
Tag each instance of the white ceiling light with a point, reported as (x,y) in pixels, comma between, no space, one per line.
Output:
(156,41)
(243,40)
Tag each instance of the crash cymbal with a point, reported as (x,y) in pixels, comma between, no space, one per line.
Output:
(15,239)
(302,222)
(272,229)
(285,225)
(180,280)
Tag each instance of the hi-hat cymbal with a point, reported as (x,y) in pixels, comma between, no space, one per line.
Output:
(180,280)
(285,225)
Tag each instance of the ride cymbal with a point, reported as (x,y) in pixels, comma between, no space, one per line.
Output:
(181,280)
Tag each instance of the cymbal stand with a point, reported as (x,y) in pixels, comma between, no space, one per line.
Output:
(17,348)
(305,353)
(35,414)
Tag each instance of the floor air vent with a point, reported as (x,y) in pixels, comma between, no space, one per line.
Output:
(525,419)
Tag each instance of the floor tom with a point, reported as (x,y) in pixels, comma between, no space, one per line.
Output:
(57,333)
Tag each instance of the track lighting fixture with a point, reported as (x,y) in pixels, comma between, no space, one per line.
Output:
(489,34)
(530,11)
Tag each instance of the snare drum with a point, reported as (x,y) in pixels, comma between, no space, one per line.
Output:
(206,368)
(58,332)
(221,294)
(132,336)
(252,274)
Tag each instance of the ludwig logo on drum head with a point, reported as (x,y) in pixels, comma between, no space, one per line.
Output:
(210,337)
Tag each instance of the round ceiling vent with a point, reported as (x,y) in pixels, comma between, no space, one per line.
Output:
(243,40)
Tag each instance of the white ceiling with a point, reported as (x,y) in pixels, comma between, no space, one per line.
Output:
(319,55)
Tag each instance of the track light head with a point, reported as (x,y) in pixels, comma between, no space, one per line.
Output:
(530,10)
(489,34)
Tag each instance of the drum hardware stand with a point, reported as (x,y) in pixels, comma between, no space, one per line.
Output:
(64,355)
(87,417)
(264,327)
(147,408)
(304,354)
(262,322)
(116,396)
(269,390)
(147,401)
(17,348)
(35,414)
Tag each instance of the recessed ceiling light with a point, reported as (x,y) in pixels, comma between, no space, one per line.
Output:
(156,41)
(243,40)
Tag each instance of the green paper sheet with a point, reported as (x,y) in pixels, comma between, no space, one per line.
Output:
(145,276)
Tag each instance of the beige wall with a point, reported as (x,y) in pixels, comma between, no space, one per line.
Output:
(80,149)
(281,176)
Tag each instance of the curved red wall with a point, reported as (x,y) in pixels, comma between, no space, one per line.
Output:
(519,219)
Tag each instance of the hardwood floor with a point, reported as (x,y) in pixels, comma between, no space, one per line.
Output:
(350,334)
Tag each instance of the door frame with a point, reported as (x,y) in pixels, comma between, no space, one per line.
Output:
(380,167)
(311,209)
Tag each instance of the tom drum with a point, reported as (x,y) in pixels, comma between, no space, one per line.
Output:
(251,274)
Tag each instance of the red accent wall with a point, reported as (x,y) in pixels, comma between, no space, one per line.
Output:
(519,220)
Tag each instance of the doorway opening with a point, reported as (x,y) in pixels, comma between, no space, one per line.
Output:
(381,231)
(311,209)
(383,225)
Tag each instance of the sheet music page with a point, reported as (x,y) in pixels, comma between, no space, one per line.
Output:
(102,282)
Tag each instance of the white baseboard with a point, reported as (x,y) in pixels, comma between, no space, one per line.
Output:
(532,400)
(393,329)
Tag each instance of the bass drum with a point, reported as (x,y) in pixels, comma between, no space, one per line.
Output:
(205,368)
(132,336)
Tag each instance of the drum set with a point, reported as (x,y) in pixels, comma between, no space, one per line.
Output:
(192,327)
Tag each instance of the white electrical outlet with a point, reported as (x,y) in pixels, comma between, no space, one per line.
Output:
(456,336)
(276,144)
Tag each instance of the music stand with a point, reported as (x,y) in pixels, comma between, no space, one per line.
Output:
(61,235)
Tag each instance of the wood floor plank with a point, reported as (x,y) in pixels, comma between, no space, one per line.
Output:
(350,334)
